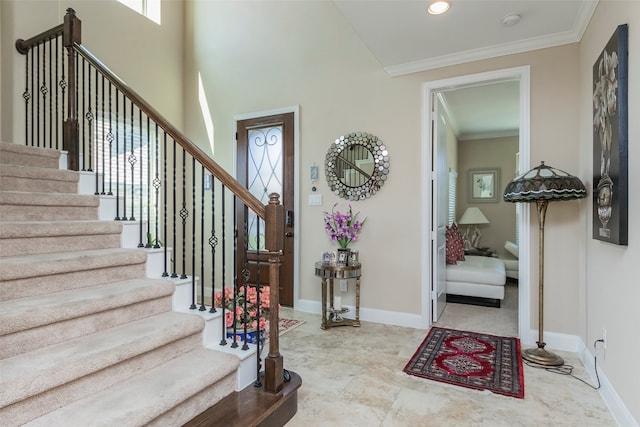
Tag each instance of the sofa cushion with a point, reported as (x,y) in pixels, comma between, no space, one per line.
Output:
(512,248)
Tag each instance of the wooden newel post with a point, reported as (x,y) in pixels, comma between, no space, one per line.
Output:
(72,29)
(274,241)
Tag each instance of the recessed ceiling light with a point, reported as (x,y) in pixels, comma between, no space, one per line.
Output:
(511,19)
(437,7)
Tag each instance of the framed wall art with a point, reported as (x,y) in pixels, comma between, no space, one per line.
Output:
(483,185)
(610,140)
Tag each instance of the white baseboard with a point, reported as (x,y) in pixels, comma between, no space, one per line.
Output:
(616,406)
(554,340)
(368,314)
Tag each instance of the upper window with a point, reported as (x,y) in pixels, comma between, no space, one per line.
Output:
(148,8)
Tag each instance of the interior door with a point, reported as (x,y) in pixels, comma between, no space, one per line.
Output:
(265,165)
(439,195)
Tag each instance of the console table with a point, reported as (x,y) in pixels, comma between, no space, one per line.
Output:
(331,272)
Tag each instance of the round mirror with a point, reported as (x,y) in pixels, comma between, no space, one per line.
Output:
(357,165)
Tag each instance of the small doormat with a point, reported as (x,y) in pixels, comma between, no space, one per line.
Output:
(287,325)
(470,359)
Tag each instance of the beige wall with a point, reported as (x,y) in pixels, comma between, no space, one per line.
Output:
(340,87)
(609,285)
(145,55)
(496,153)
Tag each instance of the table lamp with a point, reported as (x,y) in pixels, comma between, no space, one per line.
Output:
(472,216)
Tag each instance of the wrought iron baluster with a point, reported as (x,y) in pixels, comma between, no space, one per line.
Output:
(224,267)
(33,123)
(259,285)
(156,185)
(202,306)
(83,151)
(175,206)
(132,163)
(51,86)
(118,218)
(184,213)
(213,242)
(102,126)
(193,234)
(245,277)
(110,138)
(164,205)
(26,96)
(143,160)
(37,122)
(57,103)
(235,274)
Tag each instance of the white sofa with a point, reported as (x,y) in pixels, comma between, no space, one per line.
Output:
(479,277)
(511,259)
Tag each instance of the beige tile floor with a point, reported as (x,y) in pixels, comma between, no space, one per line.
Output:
(353,377)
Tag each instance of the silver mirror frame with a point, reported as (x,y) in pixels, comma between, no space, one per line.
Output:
(380,168)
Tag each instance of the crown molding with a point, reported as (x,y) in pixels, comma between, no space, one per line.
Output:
(557,39)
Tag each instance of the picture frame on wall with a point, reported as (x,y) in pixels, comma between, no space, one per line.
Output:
(483,185)
(610,140)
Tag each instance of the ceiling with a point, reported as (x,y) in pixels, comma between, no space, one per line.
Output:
(406,39)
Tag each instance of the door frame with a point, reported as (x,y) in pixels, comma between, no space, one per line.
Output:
(429,88)
(295,109)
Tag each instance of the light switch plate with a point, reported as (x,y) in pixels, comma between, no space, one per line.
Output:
(315,199)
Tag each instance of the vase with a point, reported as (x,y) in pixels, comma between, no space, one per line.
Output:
(343,256)
(252,335)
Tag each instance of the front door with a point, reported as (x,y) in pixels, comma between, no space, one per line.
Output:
(265,165)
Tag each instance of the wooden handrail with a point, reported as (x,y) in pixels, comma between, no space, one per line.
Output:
(225,178)
(23,46)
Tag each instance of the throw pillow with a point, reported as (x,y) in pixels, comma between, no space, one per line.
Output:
(459,242)
(454,245)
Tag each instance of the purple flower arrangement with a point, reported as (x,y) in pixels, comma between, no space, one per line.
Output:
(342,227)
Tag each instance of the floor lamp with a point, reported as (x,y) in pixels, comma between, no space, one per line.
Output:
(541,185)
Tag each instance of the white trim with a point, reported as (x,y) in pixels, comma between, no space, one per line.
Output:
(384,317)
(613,401)
(295,109)
(553,340)
(523,75)
(566,37)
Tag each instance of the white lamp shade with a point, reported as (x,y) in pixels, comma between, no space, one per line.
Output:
(473,216)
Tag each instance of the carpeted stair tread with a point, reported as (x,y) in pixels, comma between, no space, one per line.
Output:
(36,237)
(32,312)
(21,205)
(29,178)
(25,198)
(17,154)
(143,398)
(53,366)
(21,267)
(32,229)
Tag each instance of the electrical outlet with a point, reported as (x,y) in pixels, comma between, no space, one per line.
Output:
(604,338)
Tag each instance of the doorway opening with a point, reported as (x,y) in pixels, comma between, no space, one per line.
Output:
(431,268)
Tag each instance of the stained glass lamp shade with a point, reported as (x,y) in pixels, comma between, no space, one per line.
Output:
(541,185)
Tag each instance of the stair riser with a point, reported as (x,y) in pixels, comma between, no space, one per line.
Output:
(11,183)
(196,404)
(47,213)
(47,245)
(34,338)
(43,285)
(42,403)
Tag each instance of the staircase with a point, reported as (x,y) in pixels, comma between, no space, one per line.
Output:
(85,337)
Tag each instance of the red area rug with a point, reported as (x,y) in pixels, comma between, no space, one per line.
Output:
(470,359)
